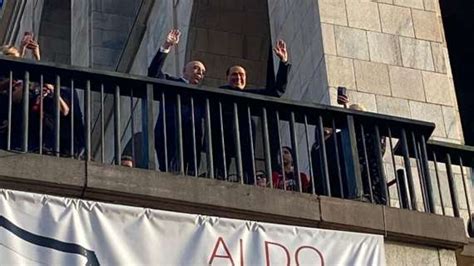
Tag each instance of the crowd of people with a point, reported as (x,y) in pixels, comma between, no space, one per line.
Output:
(41,111)
(42,108)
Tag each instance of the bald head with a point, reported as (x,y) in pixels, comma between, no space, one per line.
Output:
(236,77)
(194,72)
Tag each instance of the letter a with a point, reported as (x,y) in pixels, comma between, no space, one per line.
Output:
(214,255)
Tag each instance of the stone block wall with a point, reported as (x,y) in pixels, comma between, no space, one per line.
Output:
(392,56)
(405,254)
(226,33)
(298,23)
(111,22)
(164,17)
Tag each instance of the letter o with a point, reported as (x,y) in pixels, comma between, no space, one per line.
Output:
(308,247)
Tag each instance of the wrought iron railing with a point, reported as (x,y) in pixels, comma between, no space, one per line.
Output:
(241,137)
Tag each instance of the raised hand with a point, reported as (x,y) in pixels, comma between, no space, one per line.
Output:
(35,49)
(280,51)
(172,39)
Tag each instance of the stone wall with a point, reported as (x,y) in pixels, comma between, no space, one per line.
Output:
(397,253)
(55,31)
(111,23)
(392,57)
(225,33)
(81,23)
(298,23)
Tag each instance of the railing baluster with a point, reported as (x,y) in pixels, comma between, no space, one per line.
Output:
(466,190)
(26,104)
(383,180)
(238,153)
(165,135)
(72,115)
(10,106)
(210,162)
(406,158)
(266,145)
(308,150)
(429,186)
(102,124)
(224,161)
(419,167)
(41,115)
(132,125)
(324,160)
(87,108)
(399,187)
(452,186)
(193,136)
(438,183)
(294,144)
(366,162)
(404,195)
(117,130)
(252,150)
(280,149)
(338,161)
(57,114)
(147,127)
(180,134)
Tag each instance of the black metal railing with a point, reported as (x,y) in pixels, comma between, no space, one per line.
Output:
(335,152)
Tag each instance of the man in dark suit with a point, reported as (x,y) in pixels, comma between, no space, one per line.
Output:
(193,73)
(237,80)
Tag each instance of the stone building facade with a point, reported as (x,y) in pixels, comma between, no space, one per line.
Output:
(390,54)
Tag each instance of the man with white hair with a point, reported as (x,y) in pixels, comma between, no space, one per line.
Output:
(193,73)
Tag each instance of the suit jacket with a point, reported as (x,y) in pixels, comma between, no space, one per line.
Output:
(155,70)
(156,66)
(274,88)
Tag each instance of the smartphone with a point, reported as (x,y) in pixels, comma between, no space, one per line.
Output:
(341,91)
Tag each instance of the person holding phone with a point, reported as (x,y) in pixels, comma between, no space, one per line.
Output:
(29,43)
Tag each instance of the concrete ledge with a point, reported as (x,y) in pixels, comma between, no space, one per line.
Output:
(200,195)
(42,174)
(420,227)
(343,214)
(116,184)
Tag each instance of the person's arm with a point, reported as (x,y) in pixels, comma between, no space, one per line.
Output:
(35,49)
(306,182)
(279,87)
(155,68)
(31,45)
(63,105)
(275,179)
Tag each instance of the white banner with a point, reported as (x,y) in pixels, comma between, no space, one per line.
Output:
(45,230)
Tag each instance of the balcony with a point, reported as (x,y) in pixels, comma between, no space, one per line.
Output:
(374,173)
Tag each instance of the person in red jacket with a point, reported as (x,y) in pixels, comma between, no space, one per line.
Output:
(290,181)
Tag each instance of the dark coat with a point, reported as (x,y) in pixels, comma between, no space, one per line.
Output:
(155,70)
(274,88)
